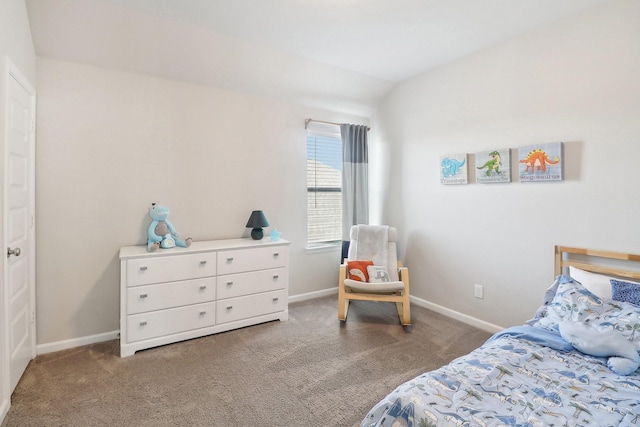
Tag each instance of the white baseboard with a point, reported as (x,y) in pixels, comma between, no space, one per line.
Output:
(107,336)
(76,342)
(480,324)
(312,295)
(4,408)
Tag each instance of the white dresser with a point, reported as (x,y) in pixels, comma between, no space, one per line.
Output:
(181,293)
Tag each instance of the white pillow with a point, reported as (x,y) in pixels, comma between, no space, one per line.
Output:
(598,284)
(377,274)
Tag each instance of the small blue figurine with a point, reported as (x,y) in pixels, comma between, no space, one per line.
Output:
(275,235)
(161,233)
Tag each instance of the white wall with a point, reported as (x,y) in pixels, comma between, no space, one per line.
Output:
(16,44)
(575,81)
(15,37)
(110,143)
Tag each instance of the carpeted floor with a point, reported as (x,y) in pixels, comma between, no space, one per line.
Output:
(309,371)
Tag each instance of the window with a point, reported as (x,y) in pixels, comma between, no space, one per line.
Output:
(324,188)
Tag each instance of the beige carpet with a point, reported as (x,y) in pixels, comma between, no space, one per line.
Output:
(309,371)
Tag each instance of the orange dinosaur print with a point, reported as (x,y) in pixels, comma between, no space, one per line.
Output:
(540,157)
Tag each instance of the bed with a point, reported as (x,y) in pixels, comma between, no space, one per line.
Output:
(534,374)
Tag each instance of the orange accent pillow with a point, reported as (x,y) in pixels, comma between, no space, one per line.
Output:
(357,270)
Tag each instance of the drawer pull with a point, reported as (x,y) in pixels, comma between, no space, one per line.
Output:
(203,287)
(143,295)
(143,323)
(203,262)
(229,283)
(275,277)
(202,313)
(275,299)
(143,268)
(230,259)
(276,254)
(229,307)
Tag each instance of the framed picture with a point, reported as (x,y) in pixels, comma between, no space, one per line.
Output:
(453,169)
(493,166)
(541,162)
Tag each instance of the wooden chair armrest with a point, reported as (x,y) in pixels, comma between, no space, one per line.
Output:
(403,275)
(343,271)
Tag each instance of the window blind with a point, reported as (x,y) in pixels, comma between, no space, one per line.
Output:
(324,188)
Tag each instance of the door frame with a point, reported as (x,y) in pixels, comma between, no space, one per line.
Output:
(10,71)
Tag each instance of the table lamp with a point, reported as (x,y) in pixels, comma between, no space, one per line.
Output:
(257,220)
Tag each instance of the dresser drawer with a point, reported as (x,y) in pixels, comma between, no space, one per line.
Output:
(170,268)
(234,285)
(237,261)
(141,299)
(166,322)
(250,306)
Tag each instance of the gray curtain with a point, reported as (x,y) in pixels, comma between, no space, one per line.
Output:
(355,180)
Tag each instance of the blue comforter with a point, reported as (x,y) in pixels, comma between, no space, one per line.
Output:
(523,376)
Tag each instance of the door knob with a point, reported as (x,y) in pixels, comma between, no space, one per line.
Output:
(15,252)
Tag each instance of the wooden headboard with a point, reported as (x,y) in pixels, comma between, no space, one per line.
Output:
(596,262)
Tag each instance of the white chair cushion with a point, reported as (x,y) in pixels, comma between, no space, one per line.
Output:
(393,233)
(385,287)
(357,252)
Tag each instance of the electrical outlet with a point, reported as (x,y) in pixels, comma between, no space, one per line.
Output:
(478,291)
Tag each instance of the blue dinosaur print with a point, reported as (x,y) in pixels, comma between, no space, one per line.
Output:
(455,419)
(584,379)
(552,398)
(451,166)
(512,349)
(476,362)
(630,385)
(406,413)
(450,384)
(509,420)
(610,405)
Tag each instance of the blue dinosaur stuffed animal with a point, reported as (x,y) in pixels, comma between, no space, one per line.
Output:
(623,356)
(161,233)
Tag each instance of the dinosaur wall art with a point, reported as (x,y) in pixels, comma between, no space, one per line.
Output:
(453,169)
(542,162)
(493,166)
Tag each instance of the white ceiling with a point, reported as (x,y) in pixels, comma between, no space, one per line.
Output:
(353,50)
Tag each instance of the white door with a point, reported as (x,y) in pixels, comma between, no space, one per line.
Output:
(19,231)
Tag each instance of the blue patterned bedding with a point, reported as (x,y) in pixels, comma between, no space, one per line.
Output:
(528,375)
